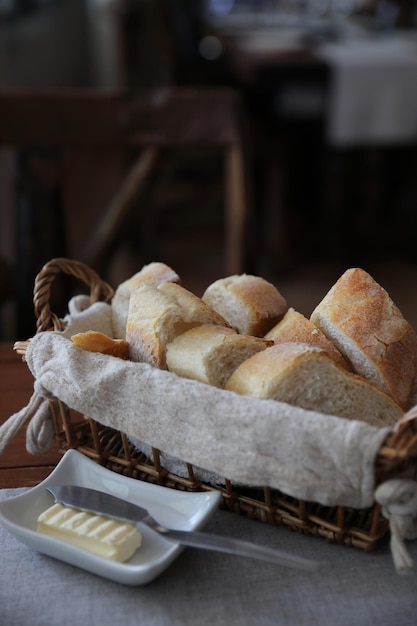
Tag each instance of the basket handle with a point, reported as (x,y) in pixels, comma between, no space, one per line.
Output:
(46,319)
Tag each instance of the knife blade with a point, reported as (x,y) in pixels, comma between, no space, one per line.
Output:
(99,502)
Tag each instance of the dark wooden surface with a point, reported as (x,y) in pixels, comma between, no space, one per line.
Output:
(18,468)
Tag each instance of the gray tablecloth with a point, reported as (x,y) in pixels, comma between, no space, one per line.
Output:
(210,588)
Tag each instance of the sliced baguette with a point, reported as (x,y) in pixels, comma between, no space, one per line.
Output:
(294,326)
(195,309)
(159,314)
(360,318)
(95,341)
(210,353)
(154,320)
(249,303)
(152,274)
(304,376)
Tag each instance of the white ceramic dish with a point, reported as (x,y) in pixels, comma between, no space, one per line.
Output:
(175,509)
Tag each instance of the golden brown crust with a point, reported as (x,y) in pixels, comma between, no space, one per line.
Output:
(253,372)
(294,326)
(363,312)
(153,274)
(210,353)
(304,376)
(153,320)
(249,303)
(195,309)
(95,341)
(266,303)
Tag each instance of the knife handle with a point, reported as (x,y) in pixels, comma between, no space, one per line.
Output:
(238,547)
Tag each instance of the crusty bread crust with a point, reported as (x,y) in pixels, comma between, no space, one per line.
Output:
(304,376)
(210,353)
(360,318)
(195,309)
(294,326)
(95,341)
(151,274)
(249,303)
(158,314)
(154,319)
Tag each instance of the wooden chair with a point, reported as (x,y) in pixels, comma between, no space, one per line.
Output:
(116,140)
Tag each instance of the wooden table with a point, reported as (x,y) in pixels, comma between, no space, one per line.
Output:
(18,468)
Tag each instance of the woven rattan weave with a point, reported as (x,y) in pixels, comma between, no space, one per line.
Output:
(112,449)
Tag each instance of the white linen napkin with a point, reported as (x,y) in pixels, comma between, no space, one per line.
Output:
(255,442)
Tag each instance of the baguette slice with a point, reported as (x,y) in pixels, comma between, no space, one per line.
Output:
(304,376)
(94,341)
(210,353)
(195,309)
(158,314)
(294,326)
(249,303)
(152,274)
(360,318)
(154,320)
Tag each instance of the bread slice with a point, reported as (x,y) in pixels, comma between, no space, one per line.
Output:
(304,376)
(95,341)
(249,303)
(210,353)
(360,318)
(154,320)
(158,314)
(195,309)
(294,326)
(152,274)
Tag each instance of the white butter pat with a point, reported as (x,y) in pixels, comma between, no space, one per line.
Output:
(104,536)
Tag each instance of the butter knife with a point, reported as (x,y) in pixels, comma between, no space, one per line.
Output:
(102,503)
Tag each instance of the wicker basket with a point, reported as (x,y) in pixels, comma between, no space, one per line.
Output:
(113,450)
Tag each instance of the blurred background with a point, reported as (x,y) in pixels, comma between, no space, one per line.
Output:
(276,137)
